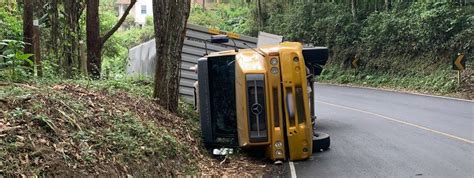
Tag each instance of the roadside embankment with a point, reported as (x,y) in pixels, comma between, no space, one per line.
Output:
(104,128)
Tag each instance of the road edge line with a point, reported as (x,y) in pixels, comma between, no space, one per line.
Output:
(292,169)
(401,122)
(395,91)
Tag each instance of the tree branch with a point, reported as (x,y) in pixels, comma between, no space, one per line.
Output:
(118,24)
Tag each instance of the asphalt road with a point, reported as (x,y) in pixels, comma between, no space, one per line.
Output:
(388,134)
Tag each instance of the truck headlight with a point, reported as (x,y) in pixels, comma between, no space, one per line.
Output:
(278,152)
(274,61)
(296,59)
(278,144)
(274,70)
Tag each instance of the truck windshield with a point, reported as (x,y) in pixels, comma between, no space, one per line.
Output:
(222,95)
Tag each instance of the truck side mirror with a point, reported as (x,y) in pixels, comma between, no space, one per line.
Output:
(219,39)
(315,58)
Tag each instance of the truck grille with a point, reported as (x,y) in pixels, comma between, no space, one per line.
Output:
(256,108)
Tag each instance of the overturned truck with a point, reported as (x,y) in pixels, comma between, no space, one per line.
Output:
(261,98)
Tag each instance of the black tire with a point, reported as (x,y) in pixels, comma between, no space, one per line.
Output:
(321,141)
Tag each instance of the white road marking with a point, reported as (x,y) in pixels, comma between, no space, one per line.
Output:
(292,169)
(401,122)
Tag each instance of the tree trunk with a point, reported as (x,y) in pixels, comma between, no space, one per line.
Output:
(388,4)
(28,29)
(72,58)
(95,42)
(170,18)
(37,49)
(259,14)
(353,9)
(54,16)
(93,39)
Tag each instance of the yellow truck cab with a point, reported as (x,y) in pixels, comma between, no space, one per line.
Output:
(260,98)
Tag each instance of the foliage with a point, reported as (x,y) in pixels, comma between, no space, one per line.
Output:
(422,29)
(421,32)
(409,46)
(11,55)
(440,81)
(226,17)
(104,127)
(115,52)
(10,23)
(74,129)
(135,86)
(12,60)
(188,111)
(321,24)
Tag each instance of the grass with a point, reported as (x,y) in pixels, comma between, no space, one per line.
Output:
(105,127)
(135,86)
(439,81)
(91,127)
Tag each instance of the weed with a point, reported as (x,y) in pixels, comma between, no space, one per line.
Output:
(18,113)
(437,82)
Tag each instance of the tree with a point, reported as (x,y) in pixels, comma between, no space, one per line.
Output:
(388,4)
(73,11)
(95,42)
(170,18)
(353,8)
(28,28)
(54,17)
(259,15)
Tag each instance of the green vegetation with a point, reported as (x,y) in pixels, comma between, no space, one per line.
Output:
(63,123)
(10,23)
(115,54)
(439,82)
(409,40)
(108,128)
(410,45)
(417,32)
(11,48)
(113,126)
(228,17)
(13,60)
(92,127)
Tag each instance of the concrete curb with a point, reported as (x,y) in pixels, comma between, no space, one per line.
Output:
(396,91)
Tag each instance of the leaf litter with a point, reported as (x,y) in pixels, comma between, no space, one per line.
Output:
(67,129)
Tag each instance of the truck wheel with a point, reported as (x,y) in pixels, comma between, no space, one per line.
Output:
(321,141)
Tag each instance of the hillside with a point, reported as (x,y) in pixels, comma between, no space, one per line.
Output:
(104,128)
(403,45)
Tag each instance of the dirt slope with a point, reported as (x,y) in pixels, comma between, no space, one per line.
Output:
(60,129)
